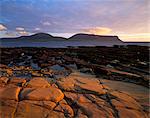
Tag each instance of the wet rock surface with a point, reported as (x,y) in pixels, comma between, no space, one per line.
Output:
(72,83)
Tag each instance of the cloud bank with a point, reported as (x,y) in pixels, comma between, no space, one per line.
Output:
(2,27)
(70,16)
(98,30)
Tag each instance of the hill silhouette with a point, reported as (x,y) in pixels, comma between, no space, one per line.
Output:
(47,40)
(46,36)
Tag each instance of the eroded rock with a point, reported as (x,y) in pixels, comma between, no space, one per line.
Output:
(38,82)
(7,108)
(81,84)
(17,81)
(51,93)
(27,109)
(75,96)
(90,108)
(3,81)
(10,93)
(130,113)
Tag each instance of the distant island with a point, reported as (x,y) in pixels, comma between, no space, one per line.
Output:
(47,40)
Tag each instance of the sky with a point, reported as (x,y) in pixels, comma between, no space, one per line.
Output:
(128,19)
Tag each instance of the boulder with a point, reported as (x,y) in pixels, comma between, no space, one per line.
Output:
(38,82)
(90,108)
(10,92)
(124,100)
(80,114)
(25,92)
(3,81)
(7,108)
(45,104)
(80,98)
(27,109)
(81,84)
(9,72)
(17,81)
(130,113)
(66,109)
(51,93)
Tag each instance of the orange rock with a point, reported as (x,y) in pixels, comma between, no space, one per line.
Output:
(34,109)
(4,80)
(45,104)
(49,105)
(81,114)
(38,82)
(54,114)
(93,111)
(27,109)
(24,92)
(52,94)
(81,84)
(9,72)
(91,88)
(90,108)
(36,74)
(125,104)
(7,108)
(3,66)
(63,102)
(104,104)
(17,81)
(66,109)
(76,97)
(97,100)
(124,100)
(130,113)
(9,92)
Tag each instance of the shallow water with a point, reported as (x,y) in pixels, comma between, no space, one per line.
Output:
(55,44)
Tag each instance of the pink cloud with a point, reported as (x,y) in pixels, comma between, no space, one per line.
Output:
(2,27)
(98,30)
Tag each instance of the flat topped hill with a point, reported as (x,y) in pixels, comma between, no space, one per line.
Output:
(92,37)
(47,40)
(74,37)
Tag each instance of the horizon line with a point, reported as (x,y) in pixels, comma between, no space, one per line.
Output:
(73,34)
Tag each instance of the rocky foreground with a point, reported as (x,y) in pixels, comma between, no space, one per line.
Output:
(60,83)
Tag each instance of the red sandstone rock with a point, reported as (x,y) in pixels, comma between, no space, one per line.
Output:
(25,92)
(91,109)
(10,93)
(52,94)
(66,109)
(3,81)
(7,108)
(124,100)
(81,84)
(130,113)
(27,109)
(17,81)
(38,82)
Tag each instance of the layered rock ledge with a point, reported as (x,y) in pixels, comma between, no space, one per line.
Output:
(76,96)
(81,82)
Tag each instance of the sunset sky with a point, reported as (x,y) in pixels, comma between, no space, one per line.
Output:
(129,19)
